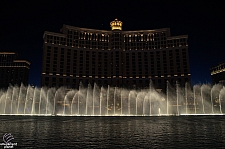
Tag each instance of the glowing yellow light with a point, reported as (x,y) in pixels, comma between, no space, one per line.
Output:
(116,25)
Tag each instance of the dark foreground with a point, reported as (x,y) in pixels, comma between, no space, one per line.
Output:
(115,132)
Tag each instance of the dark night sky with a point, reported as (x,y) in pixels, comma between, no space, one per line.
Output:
(24,22)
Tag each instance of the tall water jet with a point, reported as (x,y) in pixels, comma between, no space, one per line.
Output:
(212,101)
(114,101)
(167,97)
(12,101)
(74,98)
(54,106)
(78,102)
(186,97)
(50,100)
(145,103)
(5,101)
(40,101)
(93,100)
(136,104)
(203,107)
(64,104)
(206,98)
(2,102)
(8,97)
(129,102)
(194,90)
(89,97)
(46,107)
(24,111)
(222,96)
(28,100)
(19,99)
(177,88)
(121,103)
(220,104)
(33,103)
(150,97)
(215,97)
(107,102)
(100,101)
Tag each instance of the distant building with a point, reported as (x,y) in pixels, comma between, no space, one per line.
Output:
(114,57)
(218,73)
(13,70)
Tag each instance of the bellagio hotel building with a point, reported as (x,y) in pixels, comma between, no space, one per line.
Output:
(128,59)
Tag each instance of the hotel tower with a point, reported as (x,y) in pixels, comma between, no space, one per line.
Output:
(13,70)
(114,57)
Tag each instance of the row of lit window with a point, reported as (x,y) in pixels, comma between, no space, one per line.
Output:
(102,37)
(107,59)
(117,76)
(83,33)
(134,41)
(217,71)
(102,47)
(15,66)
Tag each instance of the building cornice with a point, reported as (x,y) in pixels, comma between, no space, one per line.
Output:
(7,53)
(123,32)
(177,37)
(22,61)
(85,29)
(53,34)
(150,31)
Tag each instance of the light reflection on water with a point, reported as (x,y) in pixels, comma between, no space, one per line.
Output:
(116,132)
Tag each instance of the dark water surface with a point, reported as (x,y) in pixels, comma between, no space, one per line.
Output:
(115,132)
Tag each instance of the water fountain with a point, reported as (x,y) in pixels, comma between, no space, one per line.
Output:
(113,101)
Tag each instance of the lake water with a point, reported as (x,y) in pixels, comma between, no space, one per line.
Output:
(115,132)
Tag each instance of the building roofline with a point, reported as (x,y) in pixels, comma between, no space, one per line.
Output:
(124,31)
(7,53)
(177,37)
(218,65)
(22,61)
(74,27)
(153,30)
(52,33)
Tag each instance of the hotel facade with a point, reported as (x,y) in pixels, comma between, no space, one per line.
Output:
(218,73)
(13,70)
(114,57)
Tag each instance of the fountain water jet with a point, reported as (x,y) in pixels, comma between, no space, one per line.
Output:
(112,101)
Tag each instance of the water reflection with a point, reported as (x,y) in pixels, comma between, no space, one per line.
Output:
(116,132)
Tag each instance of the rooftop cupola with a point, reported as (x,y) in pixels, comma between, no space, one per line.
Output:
(116,25)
